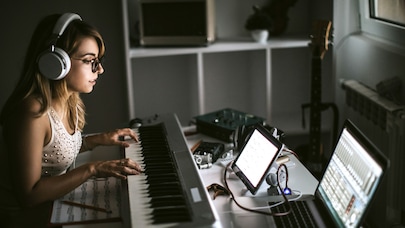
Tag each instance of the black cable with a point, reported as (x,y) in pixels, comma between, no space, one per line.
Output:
(286,180)
(253,210)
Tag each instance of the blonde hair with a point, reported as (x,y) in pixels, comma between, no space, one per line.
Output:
(33,84)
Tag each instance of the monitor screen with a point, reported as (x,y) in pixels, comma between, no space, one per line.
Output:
(351,177)
(174,18)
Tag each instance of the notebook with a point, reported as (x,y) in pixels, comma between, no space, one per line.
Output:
(348,185)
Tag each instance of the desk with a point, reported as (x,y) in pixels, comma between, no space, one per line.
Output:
(230,215)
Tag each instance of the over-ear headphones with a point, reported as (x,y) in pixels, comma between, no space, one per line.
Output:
(54,63)
(272,179)
(275,180)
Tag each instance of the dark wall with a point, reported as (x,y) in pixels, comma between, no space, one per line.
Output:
(106,105)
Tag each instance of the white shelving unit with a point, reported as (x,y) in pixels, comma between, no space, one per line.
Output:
(241,44)
(268,80)
(193,81)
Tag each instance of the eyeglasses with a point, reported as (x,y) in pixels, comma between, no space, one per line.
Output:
(94,63)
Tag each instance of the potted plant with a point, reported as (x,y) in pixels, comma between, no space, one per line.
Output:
(259,24)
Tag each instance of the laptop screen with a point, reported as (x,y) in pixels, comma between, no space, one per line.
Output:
(351,177)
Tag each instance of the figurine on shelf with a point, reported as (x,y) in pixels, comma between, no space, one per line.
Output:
(259,24)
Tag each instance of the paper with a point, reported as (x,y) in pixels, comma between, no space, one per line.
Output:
(100,192)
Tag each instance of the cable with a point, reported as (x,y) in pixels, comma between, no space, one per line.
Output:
(286,190)
(253,210)
(299,193)
(290,151)
(280,202)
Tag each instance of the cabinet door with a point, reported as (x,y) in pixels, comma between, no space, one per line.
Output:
(236,80)
(291,78)
(165,84)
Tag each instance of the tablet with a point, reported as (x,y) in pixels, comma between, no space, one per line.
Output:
(256,156)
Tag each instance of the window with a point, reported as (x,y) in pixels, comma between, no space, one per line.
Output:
(392,11)
(377,17)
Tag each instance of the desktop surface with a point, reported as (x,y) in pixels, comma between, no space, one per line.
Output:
(229,214)
(300,179)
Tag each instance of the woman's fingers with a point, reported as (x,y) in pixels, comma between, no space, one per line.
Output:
(129,166)
(118,168)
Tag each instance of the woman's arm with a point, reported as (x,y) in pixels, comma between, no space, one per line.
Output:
(107,138)
(51,188)
(26,134)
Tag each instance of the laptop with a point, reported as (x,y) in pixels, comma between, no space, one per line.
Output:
(348,185)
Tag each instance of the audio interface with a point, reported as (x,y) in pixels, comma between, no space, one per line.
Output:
(223,123)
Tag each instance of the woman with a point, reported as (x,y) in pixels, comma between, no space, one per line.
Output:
(43,118)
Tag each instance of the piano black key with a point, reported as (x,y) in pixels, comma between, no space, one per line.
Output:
(161,192)
(165,190)
(170,214)
(161,197)
(167,201)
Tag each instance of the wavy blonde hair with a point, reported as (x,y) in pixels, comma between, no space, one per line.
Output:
(33,84)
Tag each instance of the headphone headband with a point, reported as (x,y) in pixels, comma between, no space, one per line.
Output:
(63,22)
(54,63)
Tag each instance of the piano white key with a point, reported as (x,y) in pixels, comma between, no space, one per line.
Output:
(138,198)
(140,202)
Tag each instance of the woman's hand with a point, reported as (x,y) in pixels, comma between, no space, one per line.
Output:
(113,137)
(117,168)
(109,138)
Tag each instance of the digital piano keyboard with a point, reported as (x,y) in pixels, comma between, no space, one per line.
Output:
(170,192)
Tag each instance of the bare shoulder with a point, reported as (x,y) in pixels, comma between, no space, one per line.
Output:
(31,106)
(27,112)
(27,122)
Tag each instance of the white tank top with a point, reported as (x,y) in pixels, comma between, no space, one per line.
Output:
(61,151)
(57,157)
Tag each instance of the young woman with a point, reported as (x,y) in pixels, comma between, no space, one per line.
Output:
(43,118)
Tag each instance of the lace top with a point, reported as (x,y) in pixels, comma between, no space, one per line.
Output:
(61,151)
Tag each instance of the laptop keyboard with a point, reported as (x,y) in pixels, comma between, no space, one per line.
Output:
(299,216)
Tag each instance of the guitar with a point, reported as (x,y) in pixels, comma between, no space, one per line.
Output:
(319,45)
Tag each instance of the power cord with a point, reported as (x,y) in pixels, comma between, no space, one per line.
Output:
(298,193)
(254,210)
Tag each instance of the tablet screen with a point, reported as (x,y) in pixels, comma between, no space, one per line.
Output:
(260,150)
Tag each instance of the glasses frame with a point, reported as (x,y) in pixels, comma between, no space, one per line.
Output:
(95,63)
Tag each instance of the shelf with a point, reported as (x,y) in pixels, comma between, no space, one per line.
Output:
(269,80)
(229,45)
(237,73)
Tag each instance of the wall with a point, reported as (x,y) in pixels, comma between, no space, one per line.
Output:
(361,56)
(106,105)
(230,16)
(368,59)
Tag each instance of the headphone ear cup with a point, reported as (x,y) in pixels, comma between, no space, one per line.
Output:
(271,179)
(54,65)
